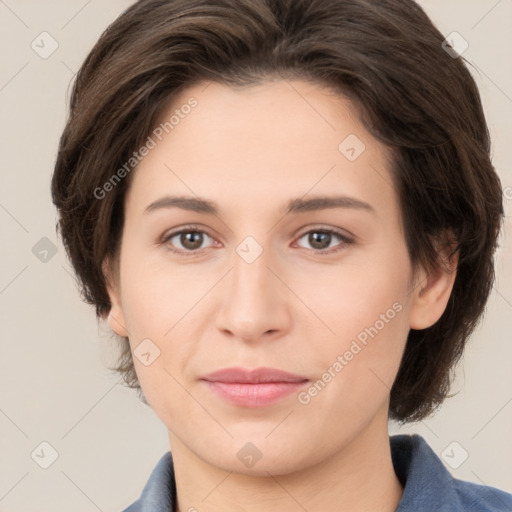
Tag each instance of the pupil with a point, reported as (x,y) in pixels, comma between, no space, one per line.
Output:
(314,240)
(187,239)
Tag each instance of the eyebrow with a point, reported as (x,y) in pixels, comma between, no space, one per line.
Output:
(299,205)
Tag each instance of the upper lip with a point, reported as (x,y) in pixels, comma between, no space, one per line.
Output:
(255,376)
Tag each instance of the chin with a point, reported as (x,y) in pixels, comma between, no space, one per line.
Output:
(259,455)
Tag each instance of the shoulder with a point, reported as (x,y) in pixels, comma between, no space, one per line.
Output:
(428,485)
(482,498)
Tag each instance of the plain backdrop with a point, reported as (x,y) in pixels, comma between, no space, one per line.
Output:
(55,388)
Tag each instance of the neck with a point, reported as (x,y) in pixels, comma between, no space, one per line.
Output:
(357,478)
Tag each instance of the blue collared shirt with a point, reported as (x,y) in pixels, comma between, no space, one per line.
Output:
(428,485)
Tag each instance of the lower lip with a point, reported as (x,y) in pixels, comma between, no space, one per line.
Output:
(254,395)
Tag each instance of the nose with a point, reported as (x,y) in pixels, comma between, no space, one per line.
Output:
(254,300)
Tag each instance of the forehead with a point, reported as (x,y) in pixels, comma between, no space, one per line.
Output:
(251,145)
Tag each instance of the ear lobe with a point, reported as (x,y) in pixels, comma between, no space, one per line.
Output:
(115,318)
(116,322)
(432,291)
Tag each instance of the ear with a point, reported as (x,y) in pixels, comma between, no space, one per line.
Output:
(433,289)
(116,316)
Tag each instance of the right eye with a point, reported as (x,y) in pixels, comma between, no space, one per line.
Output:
(190,238)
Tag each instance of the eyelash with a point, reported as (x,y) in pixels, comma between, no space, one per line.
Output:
(195,229)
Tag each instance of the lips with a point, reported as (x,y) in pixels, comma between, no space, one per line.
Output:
(253,388)
(257,376)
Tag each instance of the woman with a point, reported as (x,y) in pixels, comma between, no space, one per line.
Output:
(288,214)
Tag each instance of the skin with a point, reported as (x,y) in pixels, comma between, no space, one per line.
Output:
(250,150)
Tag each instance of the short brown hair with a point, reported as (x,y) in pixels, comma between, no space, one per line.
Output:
(387,57)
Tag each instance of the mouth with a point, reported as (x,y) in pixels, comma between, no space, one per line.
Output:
(253,388)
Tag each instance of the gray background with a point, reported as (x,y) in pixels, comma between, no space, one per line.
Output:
(54,384)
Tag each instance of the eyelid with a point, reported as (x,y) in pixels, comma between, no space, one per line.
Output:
(338,231)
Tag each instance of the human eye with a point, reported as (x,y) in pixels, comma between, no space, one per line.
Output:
(321,238)
(190,238)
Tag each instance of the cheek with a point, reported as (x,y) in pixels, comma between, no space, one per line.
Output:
(162,304)
(364,310)
(158,294)
(355,370)
(350,300)
(369,340)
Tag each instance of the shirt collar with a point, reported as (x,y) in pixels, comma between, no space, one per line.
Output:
(427,483)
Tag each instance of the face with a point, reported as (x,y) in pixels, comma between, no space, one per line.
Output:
(296,263)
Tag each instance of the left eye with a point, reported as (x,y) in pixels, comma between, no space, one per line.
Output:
(320,239)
